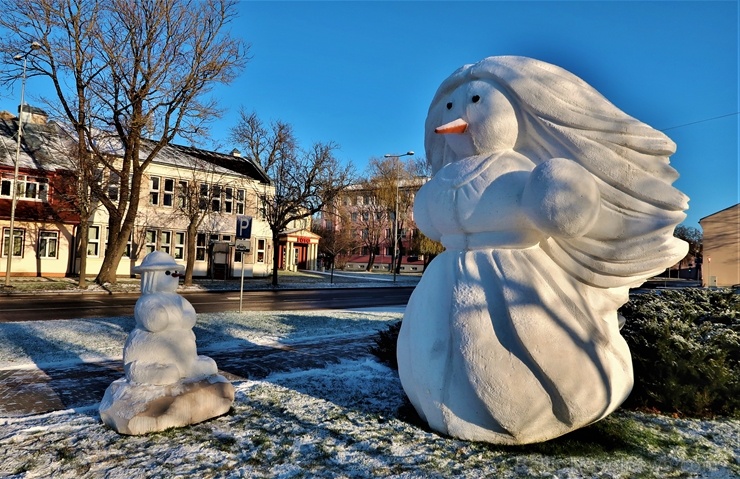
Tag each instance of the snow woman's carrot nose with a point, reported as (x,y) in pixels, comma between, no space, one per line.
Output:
(455,126)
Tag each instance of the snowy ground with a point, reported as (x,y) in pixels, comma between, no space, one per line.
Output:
(345,420)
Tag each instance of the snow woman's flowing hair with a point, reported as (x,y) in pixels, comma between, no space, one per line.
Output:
(561,116)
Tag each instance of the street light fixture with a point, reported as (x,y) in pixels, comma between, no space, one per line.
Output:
(11,235)
(395,218)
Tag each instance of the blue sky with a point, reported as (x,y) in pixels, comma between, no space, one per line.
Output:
(362,74)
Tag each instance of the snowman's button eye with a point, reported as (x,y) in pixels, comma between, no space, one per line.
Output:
(449,105)
(476,98)
(167,273)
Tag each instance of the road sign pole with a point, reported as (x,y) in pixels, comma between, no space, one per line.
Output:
(241,286)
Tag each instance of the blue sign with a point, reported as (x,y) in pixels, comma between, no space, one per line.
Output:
(243,227)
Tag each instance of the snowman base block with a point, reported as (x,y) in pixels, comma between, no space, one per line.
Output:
(134,409)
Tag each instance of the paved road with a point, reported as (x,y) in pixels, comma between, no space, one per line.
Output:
(45,389)
(67,306)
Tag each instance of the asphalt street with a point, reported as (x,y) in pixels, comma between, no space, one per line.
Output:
(74,305)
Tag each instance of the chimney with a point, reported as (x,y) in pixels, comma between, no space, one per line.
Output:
(236,153)
(33,115)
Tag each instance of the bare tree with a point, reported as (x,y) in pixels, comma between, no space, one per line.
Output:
(303,181)
(395,183)
(64,31)
(142,69)
(694,237)
(335,241)
(372,222)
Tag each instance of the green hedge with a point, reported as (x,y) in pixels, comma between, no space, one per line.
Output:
(685,348)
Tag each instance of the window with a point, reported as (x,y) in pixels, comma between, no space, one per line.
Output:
(154,190)
(165,238)
(6,186)
(48,241)
(93,241)
(150,241)
(114,185)
(200,247)
(228,200)
(260,250)
(216,198)
(168,195)
(127,251)
(354,216)
(203,199)
(365,216)
(29,188)
(18,237)
(240,195)
(179,245)
(182,193)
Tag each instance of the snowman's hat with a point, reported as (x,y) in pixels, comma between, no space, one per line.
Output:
(156,261)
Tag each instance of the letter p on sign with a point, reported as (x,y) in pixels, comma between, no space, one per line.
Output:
(243,227)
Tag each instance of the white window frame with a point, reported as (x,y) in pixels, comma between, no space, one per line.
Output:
(47,237)
(216,198)
(114,186)
(168,194)
(150,241)
(18,233)
(201,247)
(93,241)
(241,195)
(203,190)
(165,241)
(229,200)
(260,257)
(182,193)
(155,186)
(29,188)
(179,245)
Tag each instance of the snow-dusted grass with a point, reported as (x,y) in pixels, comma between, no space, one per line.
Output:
(40,343)
(345,420)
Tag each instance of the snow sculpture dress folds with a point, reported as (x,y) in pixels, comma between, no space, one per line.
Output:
(512,335)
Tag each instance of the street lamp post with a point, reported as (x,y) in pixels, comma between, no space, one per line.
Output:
(395,218)
(11,233)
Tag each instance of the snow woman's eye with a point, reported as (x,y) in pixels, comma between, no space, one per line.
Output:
(449,105)
(476,98)
(167,273)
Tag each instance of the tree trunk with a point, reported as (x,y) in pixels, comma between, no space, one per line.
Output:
(275,257)
(370,261)
(82,251)
(192,236)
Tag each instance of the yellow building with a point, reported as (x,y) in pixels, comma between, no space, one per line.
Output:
(721,247)
(46,225)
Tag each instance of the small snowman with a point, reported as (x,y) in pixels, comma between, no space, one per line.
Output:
(161,349)
(167,383)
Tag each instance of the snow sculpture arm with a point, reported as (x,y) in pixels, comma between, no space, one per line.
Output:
(422,217)
(561,198)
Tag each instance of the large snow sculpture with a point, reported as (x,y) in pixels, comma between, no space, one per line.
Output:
(167,384)
(551,203)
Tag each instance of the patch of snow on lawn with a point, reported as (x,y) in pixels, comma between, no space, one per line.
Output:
(343,421)
(39,343)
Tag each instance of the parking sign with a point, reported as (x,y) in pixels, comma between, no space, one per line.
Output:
(243,227)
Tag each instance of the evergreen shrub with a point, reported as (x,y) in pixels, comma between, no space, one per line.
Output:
(685,347)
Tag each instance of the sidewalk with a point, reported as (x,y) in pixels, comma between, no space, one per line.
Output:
(29,391)
(286,280)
